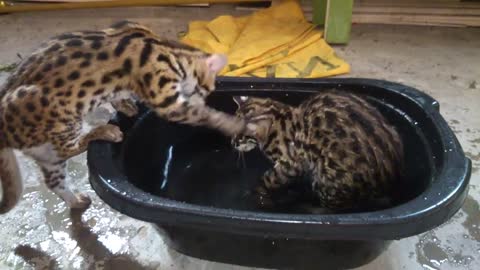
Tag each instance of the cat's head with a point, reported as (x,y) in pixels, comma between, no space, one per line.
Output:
(203,73)
(260,114)
(187,70)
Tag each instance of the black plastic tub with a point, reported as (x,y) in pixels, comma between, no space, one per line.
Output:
(191,184)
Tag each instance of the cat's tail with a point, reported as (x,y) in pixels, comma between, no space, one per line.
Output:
(12,184)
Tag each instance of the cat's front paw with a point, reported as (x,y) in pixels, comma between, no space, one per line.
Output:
(236,127)
(82,201)
(112,133)
(250,130)
(263,198)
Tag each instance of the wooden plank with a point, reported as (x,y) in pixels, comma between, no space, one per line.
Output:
(32,7)
(417,10)
(80,1)
(413,19)
(59,1)
(406,4)
(416,3)
(440,12)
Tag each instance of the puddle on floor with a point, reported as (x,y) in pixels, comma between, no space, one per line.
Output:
(472,220)
(432,254)
(457,247)
(470,142)
(53,237)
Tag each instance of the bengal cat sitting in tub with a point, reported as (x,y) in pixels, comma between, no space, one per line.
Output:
(346,149)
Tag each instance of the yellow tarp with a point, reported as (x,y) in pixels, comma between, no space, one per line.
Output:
(274,42)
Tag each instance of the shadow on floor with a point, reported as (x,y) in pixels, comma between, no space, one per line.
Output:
(36,258)
(89,244)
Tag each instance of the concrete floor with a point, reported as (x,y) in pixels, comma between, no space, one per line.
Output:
(444,62)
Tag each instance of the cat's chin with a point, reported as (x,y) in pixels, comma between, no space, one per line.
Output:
(245,147)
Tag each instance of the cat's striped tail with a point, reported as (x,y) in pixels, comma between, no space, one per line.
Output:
(12,184)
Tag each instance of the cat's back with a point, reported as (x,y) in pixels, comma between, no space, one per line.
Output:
(352,136)
(78,54)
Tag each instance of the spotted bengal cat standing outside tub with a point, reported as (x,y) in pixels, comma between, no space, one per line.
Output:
(44,103)
(343,145)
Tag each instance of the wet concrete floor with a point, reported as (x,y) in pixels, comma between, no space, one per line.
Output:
(40,233)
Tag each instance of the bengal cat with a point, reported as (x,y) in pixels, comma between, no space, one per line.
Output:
(346,148)
(44,103)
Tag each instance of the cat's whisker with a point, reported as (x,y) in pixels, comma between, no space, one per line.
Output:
(242,157)
(238,158)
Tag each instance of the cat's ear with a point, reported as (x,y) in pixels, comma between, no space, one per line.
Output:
(240,100)
(216,62)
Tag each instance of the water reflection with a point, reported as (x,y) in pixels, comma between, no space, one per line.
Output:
(97,252)
(166,168)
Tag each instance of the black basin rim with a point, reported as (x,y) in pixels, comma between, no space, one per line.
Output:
(415,211)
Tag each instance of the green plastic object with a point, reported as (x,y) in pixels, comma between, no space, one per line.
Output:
(319,11)
(336,17)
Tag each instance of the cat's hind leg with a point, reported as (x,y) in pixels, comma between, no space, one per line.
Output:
(52,158)
(275,182)
(282,174)
(53,169)
(55,179)
(72,147)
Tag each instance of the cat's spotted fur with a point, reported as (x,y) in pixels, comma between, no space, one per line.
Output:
(347,149)
(44,103)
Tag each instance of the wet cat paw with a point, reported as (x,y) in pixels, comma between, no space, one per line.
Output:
(264,202)
(263,198)
(112,133)
(82,201)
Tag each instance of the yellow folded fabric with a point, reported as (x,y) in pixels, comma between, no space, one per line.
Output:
(274,42)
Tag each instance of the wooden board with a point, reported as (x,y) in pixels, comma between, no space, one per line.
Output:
(453,13)
(405,19)
(79,1)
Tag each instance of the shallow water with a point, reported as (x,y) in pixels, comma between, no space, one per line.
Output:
(199,166)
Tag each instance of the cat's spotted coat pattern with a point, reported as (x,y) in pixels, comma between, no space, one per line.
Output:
(44,103)
(343,144)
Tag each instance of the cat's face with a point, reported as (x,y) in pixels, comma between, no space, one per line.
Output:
(258,114)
